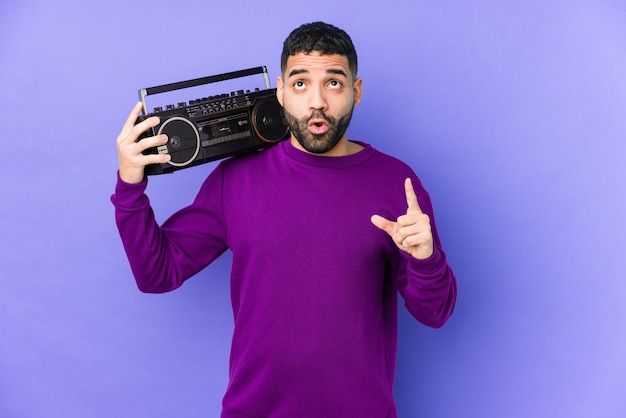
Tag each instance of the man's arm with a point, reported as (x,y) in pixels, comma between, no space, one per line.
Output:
(161,258)
(423,277)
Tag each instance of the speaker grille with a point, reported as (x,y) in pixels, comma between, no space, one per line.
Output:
(267,119)
(183,142)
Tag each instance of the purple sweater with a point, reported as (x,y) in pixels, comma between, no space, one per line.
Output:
(313,283)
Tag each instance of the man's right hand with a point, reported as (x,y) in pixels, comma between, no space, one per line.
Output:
(132,161)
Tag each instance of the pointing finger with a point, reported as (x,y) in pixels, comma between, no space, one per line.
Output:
(411,198)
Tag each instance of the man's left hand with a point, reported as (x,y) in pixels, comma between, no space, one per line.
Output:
(411,232)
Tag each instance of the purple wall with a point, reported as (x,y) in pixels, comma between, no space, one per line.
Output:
(512,113)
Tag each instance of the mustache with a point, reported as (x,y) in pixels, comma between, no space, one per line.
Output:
(319,114)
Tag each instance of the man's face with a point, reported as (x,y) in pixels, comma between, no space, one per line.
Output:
(318,94)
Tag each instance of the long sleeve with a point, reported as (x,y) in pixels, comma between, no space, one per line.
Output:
(428,286)
(163,257)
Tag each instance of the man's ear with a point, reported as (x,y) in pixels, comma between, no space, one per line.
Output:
(279,89)
(358,90)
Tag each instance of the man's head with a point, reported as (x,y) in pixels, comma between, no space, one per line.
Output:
(318,88)
(320,37)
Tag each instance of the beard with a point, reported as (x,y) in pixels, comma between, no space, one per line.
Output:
(318,143)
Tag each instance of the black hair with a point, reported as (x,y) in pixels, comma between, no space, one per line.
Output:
(320,37)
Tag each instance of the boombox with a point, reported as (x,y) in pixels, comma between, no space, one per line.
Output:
(215,126)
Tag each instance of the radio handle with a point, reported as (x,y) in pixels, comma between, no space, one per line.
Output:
(203,80)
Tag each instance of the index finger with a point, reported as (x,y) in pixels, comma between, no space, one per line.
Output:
(411,197)
(132,117)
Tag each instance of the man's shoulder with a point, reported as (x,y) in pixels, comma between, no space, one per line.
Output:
(385,158)
(253,157)
(394,169)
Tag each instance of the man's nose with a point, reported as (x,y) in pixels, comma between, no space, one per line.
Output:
(317,98)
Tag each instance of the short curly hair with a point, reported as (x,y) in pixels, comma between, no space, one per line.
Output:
(320,37)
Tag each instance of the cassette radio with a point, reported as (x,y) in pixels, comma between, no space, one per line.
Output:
(214,127)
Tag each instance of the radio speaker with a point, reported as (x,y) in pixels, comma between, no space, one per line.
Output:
(184,140)
(268,120)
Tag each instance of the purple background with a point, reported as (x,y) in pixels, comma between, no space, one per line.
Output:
(512,113)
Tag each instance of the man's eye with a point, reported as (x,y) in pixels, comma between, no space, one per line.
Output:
(334,84)
(299,85)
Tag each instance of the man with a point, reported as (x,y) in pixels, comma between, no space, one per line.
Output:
(323,237)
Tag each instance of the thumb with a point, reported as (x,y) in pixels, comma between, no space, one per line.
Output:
(382,223)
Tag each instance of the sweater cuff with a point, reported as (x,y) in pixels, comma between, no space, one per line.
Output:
(430,267)
(129,196)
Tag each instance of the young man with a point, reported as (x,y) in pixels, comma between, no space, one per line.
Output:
(324,233)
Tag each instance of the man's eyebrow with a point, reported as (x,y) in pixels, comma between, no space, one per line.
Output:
(297,71)
(337,71)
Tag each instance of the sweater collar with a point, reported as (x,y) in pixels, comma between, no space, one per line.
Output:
(327,162)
